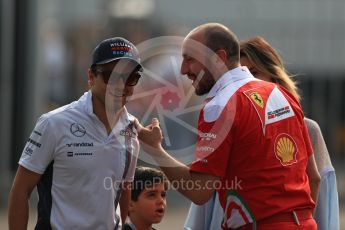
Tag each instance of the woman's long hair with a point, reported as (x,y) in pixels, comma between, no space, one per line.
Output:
(267,61)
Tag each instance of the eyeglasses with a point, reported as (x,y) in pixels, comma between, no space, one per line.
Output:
(110,77)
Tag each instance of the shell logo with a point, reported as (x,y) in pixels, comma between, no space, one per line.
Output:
(285,149)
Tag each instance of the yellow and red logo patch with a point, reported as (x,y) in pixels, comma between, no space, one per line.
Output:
(285,149)
(256,97)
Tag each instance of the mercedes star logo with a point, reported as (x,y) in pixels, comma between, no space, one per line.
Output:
(77,130)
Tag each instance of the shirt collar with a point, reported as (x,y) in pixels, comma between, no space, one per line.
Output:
(88,102)
(129,222)
(237,74)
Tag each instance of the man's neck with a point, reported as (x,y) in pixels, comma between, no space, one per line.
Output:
(107,117)
(229,67)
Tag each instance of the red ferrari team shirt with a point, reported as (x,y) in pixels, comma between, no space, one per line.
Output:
(253,137)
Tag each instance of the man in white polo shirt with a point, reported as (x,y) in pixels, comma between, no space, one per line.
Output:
(82,156)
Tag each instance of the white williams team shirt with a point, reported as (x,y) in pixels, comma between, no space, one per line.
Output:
(81,166)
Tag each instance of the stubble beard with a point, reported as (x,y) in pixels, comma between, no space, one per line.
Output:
(205,85)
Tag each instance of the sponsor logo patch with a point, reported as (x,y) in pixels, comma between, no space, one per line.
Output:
(207,136)
(77,130)
(38,133)
(202,160)
(72,154)
(34,143)
(128,133)
(83,144)
(204,149)
(285,149)
(278,112)
(256,97)
(28,151)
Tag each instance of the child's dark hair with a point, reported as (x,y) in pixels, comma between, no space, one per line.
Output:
(146,177)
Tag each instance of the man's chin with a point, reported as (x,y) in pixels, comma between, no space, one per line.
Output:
(199,92)
(202,89)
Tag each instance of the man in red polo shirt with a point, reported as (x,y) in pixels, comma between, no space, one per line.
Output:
(253,147)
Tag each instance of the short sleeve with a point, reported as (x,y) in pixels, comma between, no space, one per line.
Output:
(40,146)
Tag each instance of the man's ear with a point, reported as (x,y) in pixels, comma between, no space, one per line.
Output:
(131,206)
(221,56)
(220,60)
(91,78)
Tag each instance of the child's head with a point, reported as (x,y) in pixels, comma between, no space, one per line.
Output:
(148,199)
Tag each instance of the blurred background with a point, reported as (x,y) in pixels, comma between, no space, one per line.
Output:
(46,47)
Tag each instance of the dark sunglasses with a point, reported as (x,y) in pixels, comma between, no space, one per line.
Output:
(110,77)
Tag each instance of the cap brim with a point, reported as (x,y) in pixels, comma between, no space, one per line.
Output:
(118,58)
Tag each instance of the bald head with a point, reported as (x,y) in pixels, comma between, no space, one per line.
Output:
(216,36)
